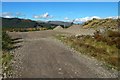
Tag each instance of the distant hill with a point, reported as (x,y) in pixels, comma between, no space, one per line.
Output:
(27,23)
(101,23)
(18,23)
(61,23)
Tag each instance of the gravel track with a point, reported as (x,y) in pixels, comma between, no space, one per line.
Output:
(42,56)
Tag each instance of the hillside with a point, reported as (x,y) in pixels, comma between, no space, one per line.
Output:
(60,23)
(101,23)
(17,23)
(27,23)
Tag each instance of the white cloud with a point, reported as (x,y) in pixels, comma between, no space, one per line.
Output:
(19,14)
(66,18)
(11,15)
(113,17)
(85,19)
(7,15)
(36,16)
(45,16)
(97,17)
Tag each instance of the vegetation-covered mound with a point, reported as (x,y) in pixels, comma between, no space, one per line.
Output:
(103,47)
(101,23)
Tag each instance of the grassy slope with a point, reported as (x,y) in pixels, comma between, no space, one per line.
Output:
(104,48)
(103,23)
(103,45)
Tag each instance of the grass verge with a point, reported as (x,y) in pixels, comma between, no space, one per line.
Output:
(6,55)
(99,49)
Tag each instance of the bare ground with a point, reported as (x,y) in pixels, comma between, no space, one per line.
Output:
(42,56)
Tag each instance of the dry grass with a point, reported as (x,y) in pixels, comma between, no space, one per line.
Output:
(95,47)
(112,23)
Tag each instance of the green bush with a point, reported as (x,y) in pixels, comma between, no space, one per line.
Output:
(6,56)
(6,41)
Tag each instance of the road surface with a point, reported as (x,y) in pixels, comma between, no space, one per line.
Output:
(42,56)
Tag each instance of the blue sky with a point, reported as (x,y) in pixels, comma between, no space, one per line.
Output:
(60,0)
(60,10)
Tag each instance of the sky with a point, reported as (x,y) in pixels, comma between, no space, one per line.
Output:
(60,0)
(62,11)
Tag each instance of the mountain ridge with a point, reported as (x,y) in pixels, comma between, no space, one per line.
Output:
(27,23)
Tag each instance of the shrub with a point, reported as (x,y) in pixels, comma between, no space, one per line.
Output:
(6,41)
(113,33)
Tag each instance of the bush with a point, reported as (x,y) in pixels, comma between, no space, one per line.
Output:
(6,41)
(111,38)
(113,33)
(6,56)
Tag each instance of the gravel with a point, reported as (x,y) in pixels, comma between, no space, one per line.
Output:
(42,56)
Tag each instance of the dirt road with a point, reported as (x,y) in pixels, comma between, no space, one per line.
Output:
(42,56)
